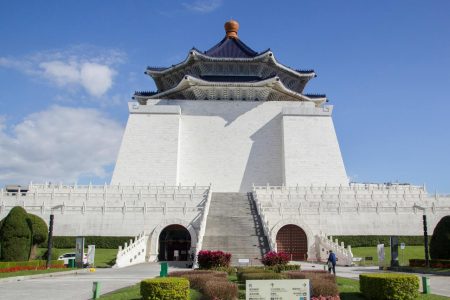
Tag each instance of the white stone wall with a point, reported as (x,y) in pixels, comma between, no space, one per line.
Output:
(231,144)
(311,151)
(114,210)
(349,210)
(150,145)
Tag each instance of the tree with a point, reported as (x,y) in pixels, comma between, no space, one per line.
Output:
(440,241)
(15,235)
(39,232)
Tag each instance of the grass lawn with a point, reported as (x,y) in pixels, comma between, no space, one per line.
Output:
(103,257)
(133,293)
(403,255)
(25,273)
(349,290)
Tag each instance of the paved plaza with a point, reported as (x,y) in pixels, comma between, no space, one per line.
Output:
(79,286)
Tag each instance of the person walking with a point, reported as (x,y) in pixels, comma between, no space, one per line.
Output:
(332,262)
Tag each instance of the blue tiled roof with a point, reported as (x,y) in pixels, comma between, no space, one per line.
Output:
(222,78)
(231,47)
(145,93)
(315,95)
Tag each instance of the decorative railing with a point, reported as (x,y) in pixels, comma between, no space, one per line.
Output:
(201,233)
(132,253)
(104,199)
(325,244)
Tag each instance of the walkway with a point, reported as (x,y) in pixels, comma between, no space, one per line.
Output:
(78,286)
(440,285)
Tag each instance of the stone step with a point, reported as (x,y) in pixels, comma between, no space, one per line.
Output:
(234,226)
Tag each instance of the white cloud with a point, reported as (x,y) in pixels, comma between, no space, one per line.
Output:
(87,67)
(203,6)
(58,144)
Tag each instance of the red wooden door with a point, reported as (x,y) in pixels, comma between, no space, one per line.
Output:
(292,240)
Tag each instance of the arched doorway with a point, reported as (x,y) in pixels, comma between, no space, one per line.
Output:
(174,243)
(292,240)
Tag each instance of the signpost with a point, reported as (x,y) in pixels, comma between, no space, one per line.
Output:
(380,252)
(91,255)
(79,252)
(298,289)
(402,247)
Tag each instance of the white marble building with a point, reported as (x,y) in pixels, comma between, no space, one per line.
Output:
(230,120)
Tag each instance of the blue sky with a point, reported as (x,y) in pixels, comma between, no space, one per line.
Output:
(68,68)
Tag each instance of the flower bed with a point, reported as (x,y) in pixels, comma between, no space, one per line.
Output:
(212,284)
(273,258)
(208,259)
(16,266)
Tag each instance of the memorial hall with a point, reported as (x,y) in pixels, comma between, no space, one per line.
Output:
(229,153)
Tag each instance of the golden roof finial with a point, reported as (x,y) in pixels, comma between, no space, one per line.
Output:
(231,28)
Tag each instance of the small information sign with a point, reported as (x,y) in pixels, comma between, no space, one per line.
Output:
(287,289)
(402,246)
(91,255)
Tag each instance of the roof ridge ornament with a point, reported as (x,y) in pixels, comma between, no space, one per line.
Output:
(231,29)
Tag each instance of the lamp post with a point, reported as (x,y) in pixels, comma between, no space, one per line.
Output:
(425,234)
(50,236)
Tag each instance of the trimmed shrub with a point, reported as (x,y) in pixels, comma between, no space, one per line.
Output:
(39,233)
(373,240)
(273,258)
(434,263)
(15,236)
(175,288)
(198,279)
(250,270)
(282,268)
(221,289)
(323,283)
(104,242)
(261,276)
(440,240)
(208,259)
(389,286)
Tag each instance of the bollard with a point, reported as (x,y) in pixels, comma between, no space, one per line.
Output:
(426,285)
(96,290)
(164,270)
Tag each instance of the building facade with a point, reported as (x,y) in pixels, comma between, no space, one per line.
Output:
(230,120)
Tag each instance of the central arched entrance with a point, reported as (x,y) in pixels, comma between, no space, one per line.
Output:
(174,243)
(292,240)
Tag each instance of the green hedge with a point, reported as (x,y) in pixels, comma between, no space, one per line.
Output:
(434,263)
(30,263)
(373,240)
(389,286)
(175,288)
(104,242)
(261,276)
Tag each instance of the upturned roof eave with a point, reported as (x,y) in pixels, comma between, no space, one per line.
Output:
(273,82)
(195,54)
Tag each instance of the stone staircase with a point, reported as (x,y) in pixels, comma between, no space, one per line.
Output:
(233,225)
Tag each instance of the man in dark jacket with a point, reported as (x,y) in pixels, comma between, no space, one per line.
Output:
(332,262)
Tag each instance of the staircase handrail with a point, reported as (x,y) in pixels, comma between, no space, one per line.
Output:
(201,233)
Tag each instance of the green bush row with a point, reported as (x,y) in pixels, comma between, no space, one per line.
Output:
(261,276)
(434,263)
(30,263)
(175,288)
(373,240)
(104,242)
(389,286)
